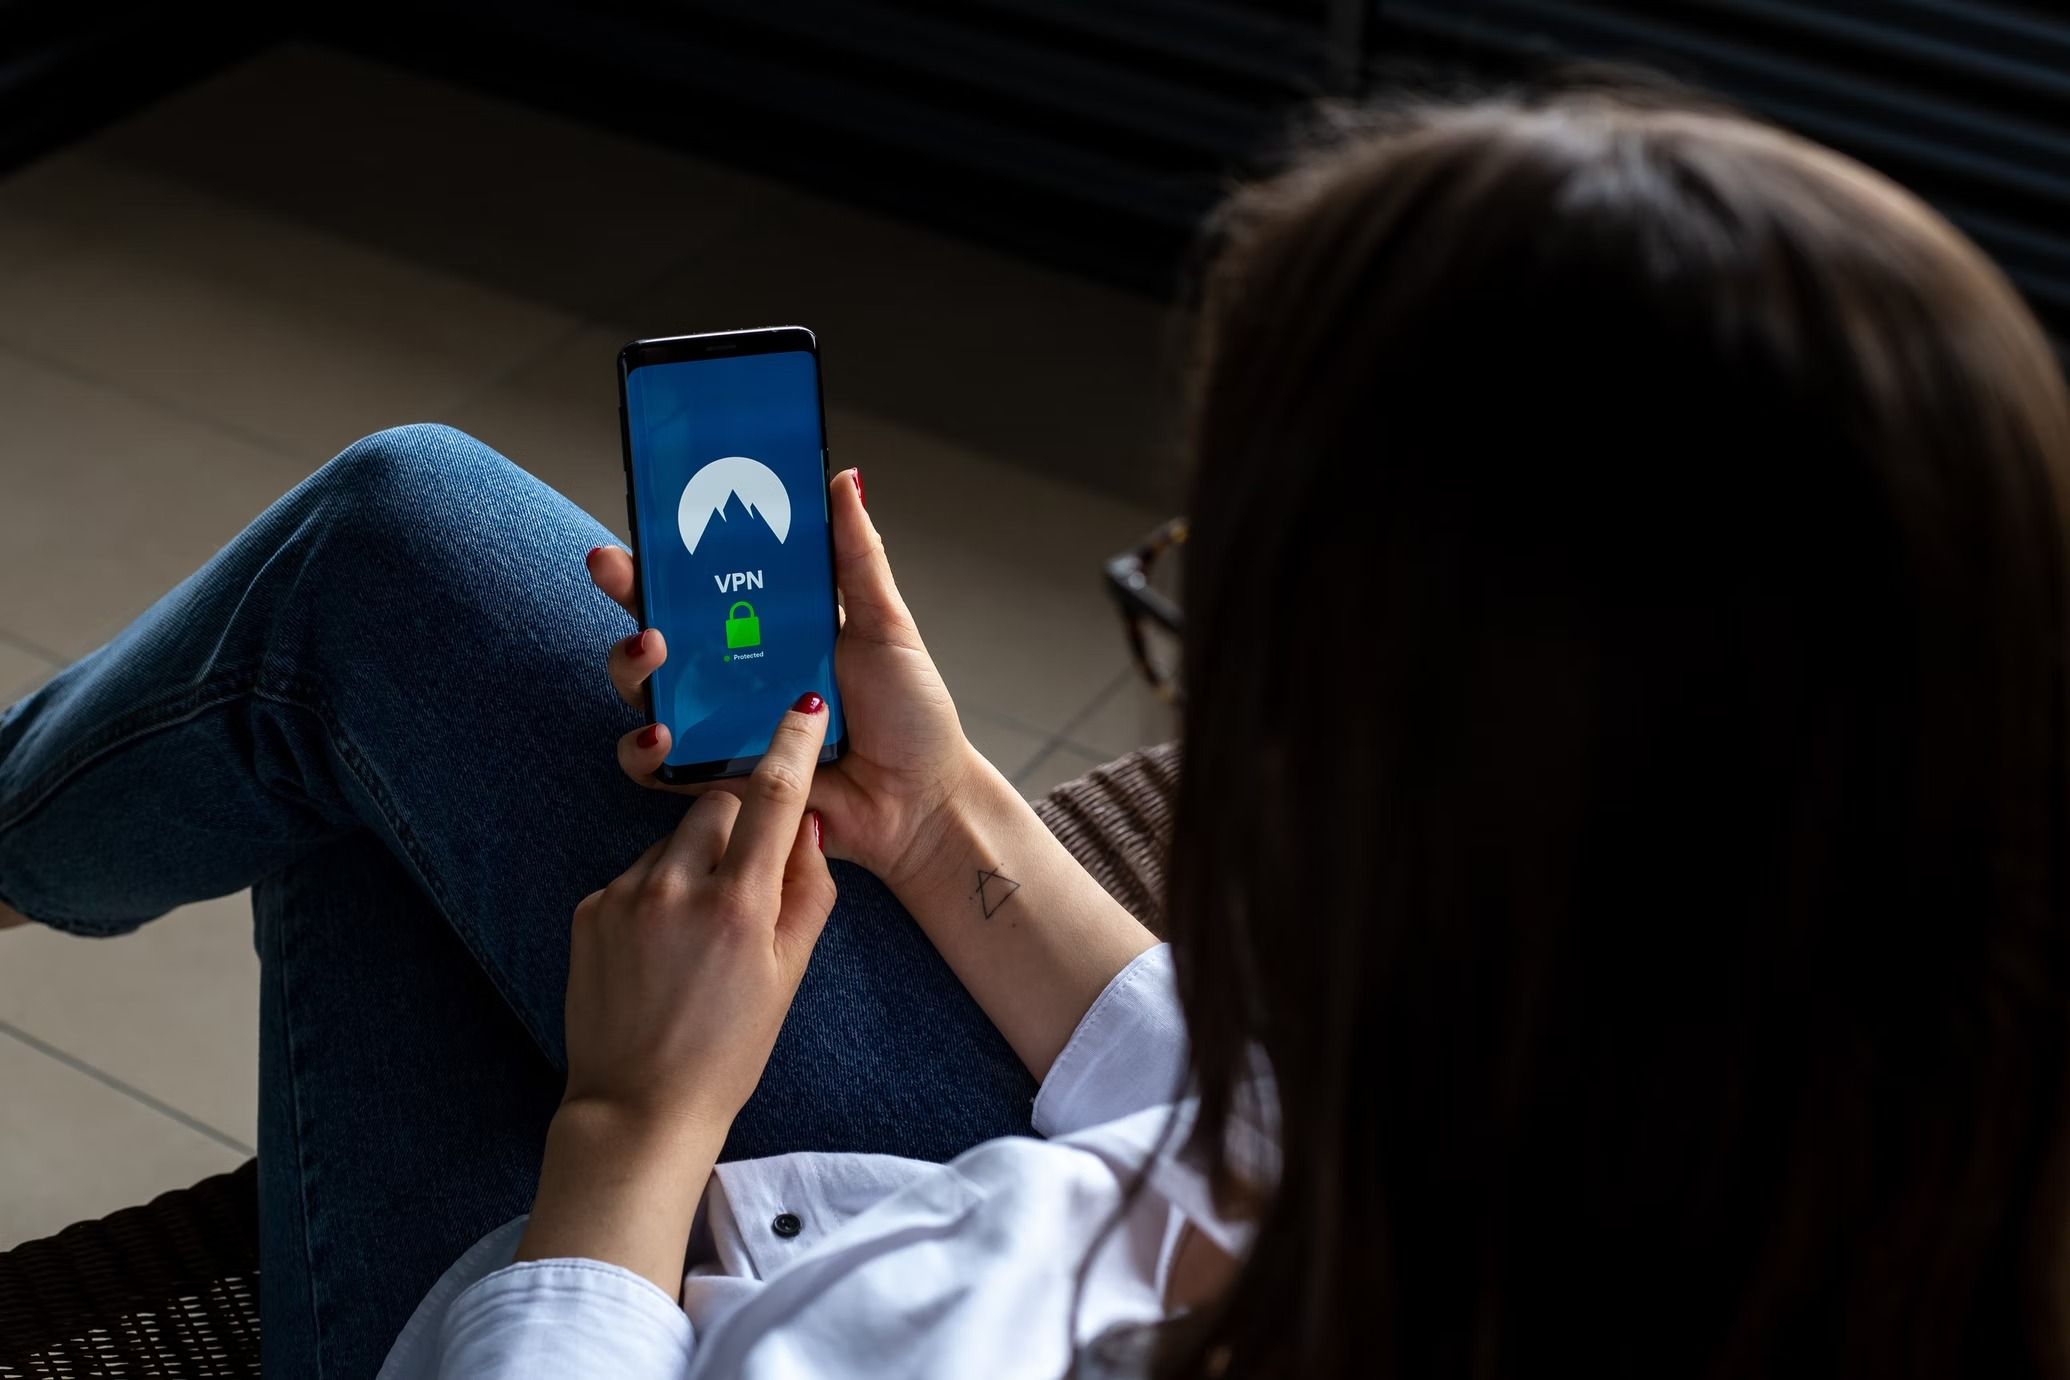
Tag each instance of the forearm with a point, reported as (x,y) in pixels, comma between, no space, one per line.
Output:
(620,1191)
(1028,931)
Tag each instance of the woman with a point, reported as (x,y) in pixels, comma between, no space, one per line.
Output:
(1617,909)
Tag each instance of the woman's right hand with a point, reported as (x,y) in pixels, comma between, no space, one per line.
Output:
(907,757)
(680,975)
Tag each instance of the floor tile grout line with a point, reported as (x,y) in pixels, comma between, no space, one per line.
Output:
(475,393)
(621,305)
(1099,699)
(1012,721)
(578,322)
(109,1080)
(272,445)
(34,649)
(1050,740)
(1013,778)
(1071,723)
(1062,737)
(599,316)
(1020,778)
(598,310)
(1041,750)
(1049,750)
(1062,744)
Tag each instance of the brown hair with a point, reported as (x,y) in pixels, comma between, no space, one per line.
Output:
(1627,791)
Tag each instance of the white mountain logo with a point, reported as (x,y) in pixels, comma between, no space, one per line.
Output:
(732,476)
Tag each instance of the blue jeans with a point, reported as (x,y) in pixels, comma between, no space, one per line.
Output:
(383,706)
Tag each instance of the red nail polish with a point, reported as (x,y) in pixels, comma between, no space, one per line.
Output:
(809,703)
(636,645)
(819,834)
(650,735)
(857,475)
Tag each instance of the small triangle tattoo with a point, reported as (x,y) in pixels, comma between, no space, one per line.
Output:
(992,890)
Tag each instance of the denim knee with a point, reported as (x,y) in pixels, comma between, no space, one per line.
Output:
(418,497)
(421,473)
(421,527)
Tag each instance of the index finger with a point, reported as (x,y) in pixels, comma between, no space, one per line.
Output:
(772,800)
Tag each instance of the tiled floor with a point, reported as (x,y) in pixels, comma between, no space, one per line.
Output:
(199,306)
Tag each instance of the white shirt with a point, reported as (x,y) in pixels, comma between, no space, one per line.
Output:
(899,1267)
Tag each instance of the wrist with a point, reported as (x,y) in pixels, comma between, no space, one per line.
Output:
(1029,932)
(639,1140)
(940,843)
(620,1186)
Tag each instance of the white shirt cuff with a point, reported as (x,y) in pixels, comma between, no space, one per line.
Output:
(564,1320)
(1128,1053)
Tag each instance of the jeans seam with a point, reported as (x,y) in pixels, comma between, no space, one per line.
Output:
(295,693)
(302,1142)
(69,924)
(299,695)
(198,700)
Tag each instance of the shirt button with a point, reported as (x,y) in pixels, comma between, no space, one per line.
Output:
(787,1224)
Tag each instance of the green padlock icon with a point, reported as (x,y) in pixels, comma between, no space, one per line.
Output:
(743,631)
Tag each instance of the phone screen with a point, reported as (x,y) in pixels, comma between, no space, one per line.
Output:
(728,475)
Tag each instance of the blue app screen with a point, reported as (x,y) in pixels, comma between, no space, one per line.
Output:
(728,478)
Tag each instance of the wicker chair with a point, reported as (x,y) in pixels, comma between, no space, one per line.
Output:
(172,1288)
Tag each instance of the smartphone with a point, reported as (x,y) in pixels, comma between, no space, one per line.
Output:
(726,498)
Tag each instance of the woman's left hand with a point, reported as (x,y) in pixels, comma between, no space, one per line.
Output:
(680,976)
(886,800)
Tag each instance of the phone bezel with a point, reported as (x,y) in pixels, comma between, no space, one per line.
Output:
(677,349)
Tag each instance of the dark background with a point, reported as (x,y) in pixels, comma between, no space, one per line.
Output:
(1092,133)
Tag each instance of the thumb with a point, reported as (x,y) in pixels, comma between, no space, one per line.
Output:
(808,895)
(875,609)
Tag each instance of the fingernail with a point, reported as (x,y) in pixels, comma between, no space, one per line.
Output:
(857,475)
(591,554)
(636,645)
(809,703)
(650,735)
(819,833)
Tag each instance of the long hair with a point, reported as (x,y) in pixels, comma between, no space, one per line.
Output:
(1627,785)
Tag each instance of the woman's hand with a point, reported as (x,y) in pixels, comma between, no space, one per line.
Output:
(907,756)
(680,976)
(915,803)
(682,968)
